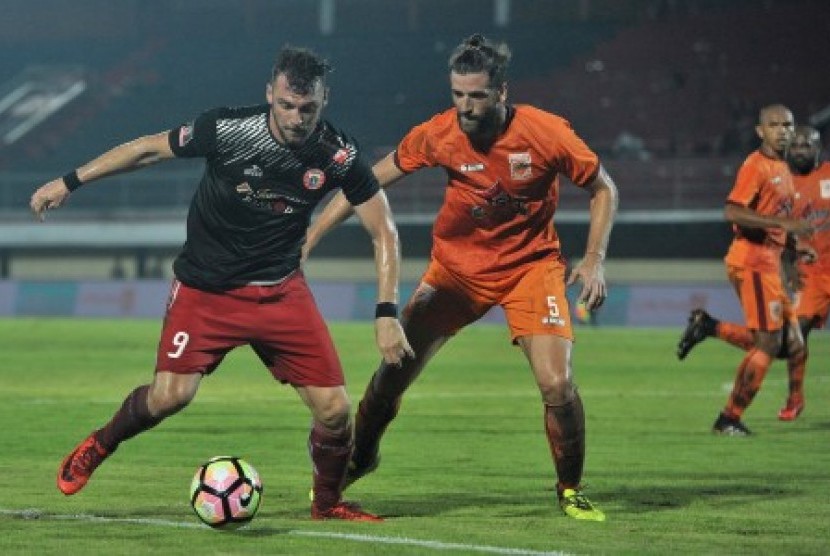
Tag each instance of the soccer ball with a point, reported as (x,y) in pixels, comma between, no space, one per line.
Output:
(226,492)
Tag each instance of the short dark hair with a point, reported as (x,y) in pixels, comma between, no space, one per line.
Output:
(302,68)
(477,54)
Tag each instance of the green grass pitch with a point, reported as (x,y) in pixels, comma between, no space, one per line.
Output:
(465,470)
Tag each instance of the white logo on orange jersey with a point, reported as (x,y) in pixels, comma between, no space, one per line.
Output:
(472,167)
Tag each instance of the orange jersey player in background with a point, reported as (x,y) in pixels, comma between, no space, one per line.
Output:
(812,278)
(494,244)
(811,179)
(760,208)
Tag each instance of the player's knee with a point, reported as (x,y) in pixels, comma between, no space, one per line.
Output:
(334,414)
(772,344)
(795,350)
(170,397)
(556,389)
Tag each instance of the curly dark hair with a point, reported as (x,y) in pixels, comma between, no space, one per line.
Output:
(477,54)
(302,68)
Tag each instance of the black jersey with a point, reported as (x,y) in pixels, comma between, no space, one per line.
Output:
(248,218)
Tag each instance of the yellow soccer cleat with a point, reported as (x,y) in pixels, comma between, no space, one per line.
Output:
(576,505)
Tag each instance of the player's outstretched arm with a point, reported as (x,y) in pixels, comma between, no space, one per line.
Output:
(590,271)
(377,218)
(136,154)
(339,208)
(748,218)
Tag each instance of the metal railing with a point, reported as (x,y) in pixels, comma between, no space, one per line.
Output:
(659,185)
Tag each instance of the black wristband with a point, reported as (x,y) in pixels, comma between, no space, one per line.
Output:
(386,309)
(71,180)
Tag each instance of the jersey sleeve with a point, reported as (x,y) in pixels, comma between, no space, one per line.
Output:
(414,151)
(196,138)
(359,185)
(572,156)
(747,185)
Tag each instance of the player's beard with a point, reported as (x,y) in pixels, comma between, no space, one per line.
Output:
(486,126)
(802,165)
(292,136)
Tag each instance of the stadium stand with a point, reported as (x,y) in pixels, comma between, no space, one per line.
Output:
(665,90)
(690,84)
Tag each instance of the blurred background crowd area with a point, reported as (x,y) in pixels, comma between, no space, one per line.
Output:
(667,91)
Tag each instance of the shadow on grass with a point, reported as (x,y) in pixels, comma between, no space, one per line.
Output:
(713,492)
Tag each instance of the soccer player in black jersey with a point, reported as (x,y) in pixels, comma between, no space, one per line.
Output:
(238,277)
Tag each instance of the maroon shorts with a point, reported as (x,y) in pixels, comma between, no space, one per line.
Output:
(281,323)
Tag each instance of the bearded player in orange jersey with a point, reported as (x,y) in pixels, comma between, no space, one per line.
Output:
(811,179)
(494,244)
(760,208)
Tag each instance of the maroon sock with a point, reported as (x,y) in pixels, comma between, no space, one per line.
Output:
(133,417)
(330,452)
(565,428)
(371,419)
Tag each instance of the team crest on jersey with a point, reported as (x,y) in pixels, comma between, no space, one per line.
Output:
(824,188)
(185,134)
(520,166)
(314,178)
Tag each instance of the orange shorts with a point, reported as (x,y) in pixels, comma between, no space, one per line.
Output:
(764,301)
(533,300)
(814,298)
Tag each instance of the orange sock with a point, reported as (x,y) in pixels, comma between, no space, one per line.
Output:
(751,373)
(736,334)
(796,367)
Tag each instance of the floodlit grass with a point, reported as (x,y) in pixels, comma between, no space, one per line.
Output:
(465,470)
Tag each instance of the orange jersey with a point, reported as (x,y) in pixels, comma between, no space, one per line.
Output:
(499,205)
(812,202)
(765,185)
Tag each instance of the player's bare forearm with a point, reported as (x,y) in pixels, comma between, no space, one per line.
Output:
(603,209)
(338,210)
(377,218)
(127,157)
(335,213)
(123,158)
(745,217)
(590,271)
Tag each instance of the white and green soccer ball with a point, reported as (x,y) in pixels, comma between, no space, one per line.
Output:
(226,492)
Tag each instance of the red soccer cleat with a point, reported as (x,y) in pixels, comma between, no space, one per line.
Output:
(347,511)
(78,466)
(791,411)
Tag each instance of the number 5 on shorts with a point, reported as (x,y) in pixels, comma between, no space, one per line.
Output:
(553,307)
(180,340)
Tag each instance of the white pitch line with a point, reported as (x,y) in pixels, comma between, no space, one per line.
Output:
(437,545)
(35,514)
